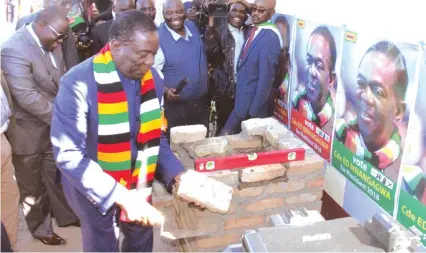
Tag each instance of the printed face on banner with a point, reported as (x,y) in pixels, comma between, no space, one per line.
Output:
(372,115)
(412,200)
(314,84)
(284,25)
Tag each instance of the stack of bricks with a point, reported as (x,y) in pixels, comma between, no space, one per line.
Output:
(259,191)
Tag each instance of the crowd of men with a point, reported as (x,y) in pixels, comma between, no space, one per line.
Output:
(85,120)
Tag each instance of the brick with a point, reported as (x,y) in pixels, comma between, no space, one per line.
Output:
(209,225)
(186,134)
(264,204)
(303,198)
(262,173)
(158,189)
(274,133)
(214,195)
(240,141)
(282,187)
(177,155)
(316,182)
(309,165)
(257,127)
(184,158)
(287,143)
(244,222)
(230,178)
(249,192)
(219,240)
(211,146)
(233,208)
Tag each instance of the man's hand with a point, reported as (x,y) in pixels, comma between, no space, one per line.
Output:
(136,209)
(170,94)
(175,189)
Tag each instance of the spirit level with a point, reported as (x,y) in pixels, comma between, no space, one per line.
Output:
(248,160)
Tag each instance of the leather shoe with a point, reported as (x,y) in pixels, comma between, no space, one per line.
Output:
(53,240)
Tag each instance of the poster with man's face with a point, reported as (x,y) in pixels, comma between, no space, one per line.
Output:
(412,199)
(314,83)
(378,76)
(285,25)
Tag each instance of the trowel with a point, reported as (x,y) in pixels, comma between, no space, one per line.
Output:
(171,232)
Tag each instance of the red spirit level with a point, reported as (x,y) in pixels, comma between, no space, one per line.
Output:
(249,160)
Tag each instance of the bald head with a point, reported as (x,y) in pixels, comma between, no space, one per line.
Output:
(174,15)
(268,4)
(147,7)
(170,4)
(123,5)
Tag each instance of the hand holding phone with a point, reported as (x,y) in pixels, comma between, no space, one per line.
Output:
(181,85)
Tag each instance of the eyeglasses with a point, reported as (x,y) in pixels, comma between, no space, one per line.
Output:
(260,10)
(59,36)
(151,9)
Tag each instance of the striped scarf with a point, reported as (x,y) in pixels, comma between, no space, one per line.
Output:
(270,26)
(114,148)
(349,135)
(303,106)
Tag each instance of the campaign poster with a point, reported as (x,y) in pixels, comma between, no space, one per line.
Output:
(412,198)
(378,78)
(285,25)
(314,84)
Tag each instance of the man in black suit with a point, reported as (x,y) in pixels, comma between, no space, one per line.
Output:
(68,46)
(99,34)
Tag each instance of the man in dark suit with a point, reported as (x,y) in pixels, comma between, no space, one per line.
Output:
(256,70)
(108,161)
(99,34)
(32,62)
(68,46)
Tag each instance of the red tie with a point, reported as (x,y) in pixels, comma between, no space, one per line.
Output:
(249,41)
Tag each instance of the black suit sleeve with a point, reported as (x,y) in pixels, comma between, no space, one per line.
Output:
(69,49)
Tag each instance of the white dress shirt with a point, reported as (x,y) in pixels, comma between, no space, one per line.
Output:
(160,59)
(37,40)
(238,35)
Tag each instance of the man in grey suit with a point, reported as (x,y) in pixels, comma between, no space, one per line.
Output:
(33,63)
(69,45)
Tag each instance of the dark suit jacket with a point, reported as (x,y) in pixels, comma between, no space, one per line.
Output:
(221,58)
(99,36)
(69,47)
(33,84)
(256,76)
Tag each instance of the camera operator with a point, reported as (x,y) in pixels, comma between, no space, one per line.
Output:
(223,59)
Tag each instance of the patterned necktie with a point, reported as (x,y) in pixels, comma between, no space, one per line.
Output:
(249,41)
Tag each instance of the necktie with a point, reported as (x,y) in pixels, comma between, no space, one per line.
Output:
(249,41)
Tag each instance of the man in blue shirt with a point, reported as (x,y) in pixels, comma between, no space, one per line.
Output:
(95,184)
(182,55)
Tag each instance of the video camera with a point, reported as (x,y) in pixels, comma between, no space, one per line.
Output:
(216,9)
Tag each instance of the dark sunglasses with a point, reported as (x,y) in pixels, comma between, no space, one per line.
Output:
(151,9)
(59,36)
(260,10)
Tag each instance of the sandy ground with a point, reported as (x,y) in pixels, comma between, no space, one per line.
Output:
(73,235)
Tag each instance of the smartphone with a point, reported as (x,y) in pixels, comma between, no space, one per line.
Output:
(218,10)
(181,85)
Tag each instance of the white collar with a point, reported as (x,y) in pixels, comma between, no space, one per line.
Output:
(234,29)
(177,36)
(37,40)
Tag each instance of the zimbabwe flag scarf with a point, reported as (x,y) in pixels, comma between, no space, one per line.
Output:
(349,135)
(114,154)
